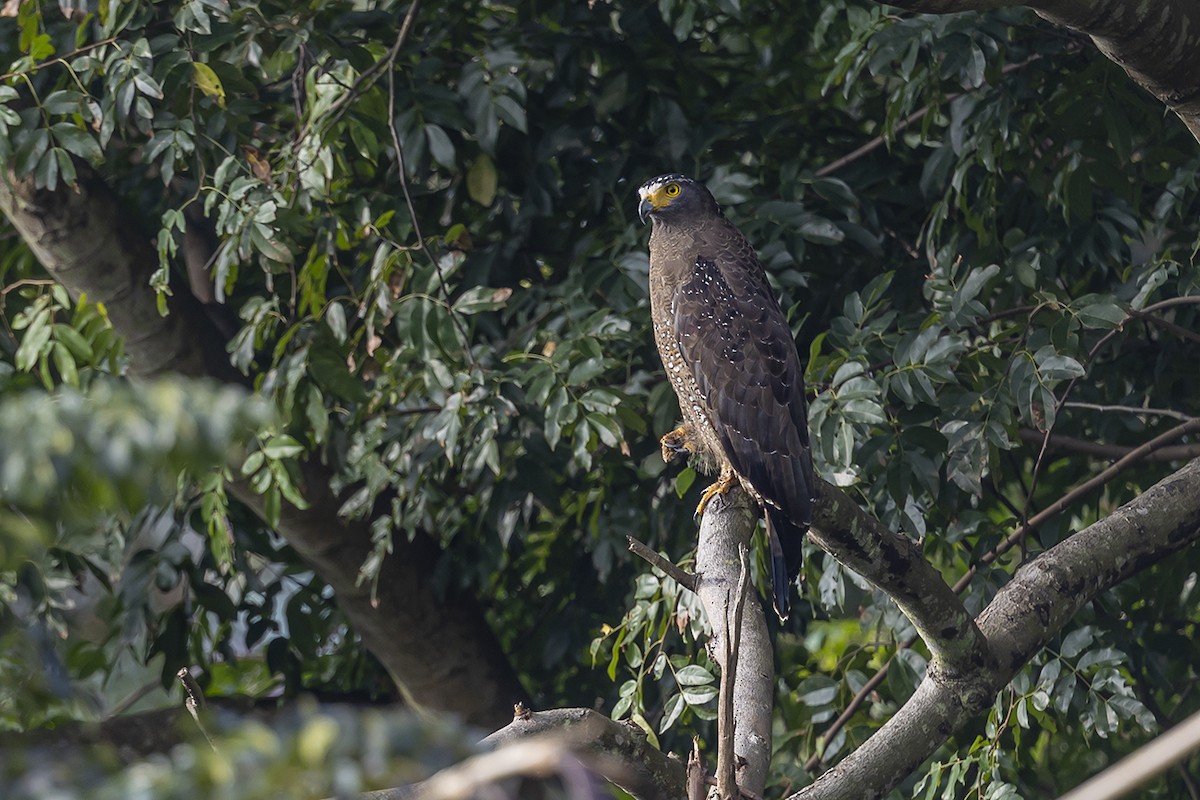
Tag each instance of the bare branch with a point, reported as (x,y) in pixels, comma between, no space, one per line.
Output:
(726,527)
(684,578)
(645,772)
(1181,452)
(735,607)
(1138,410)
(697,775)
(1137,768)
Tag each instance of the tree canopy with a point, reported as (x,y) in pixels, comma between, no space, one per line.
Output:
(326,368)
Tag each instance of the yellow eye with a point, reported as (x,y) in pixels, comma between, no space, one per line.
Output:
(672,189)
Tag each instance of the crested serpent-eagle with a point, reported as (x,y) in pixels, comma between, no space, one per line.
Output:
(731,359)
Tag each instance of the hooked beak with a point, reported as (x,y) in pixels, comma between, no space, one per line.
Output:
(644,209)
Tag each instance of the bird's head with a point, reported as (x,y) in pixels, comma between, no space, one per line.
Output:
(674,197)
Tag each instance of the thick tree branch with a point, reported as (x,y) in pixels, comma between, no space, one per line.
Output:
(646,773)
(439,649)
(1023,617)
(727,526)
(82,237)
(894,563)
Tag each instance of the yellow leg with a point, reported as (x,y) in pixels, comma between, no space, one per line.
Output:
(725,481)
(678,442)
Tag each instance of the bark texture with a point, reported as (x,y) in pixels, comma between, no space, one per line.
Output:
(727,525)
(439,649)
(1022,618)
(645,772)
(894,563)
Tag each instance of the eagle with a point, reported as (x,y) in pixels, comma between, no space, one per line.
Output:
(730,357)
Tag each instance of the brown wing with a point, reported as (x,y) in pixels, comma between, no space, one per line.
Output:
(737,343)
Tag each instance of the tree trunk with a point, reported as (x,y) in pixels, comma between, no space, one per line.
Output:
(440,650)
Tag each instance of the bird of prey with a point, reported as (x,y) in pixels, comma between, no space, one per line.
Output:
(731,359)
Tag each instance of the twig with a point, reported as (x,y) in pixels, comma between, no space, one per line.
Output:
(697,776)
(1058,441)
(727,785)
(901,126)
(339,106)
(1186,300)
(1132,457)
(194,700)
(1167,325)
(1150,412)
(402,169)
(123,705)
(685,579)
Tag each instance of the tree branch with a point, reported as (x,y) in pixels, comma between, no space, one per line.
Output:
(1022,618)
(1099,449)
(727,525)
(645,772)
(684,578)
(894,563)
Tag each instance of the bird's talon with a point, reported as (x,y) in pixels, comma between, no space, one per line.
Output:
(677,442)
(718,489)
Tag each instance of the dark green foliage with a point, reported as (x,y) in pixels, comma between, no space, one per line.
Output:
(999,265)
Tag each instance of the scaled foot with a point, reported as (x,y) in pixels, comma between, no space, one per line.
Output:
(726,481)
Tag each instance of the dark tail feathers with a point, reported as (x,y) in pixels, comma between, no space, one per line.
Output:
(786,542)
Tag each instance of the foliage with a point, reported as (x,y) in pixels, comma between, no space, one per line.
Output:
(306,752)
(1005,266)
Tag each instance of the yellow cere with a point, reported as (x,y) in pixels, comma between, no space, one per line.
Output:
(660,194)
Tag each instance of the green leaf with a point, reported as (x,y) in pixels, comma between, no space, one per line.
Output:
(63,101)
(694,675)
(821,231)
(1103,314)
(511,112)
(440,146)
(34,341)
(253,462)
(65,364)
(684,481)
(674,707)
(263,238)
(74,341)
(77,141)
(282,446)
(207,82)
(698,695)
(482,298)
(482,180)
